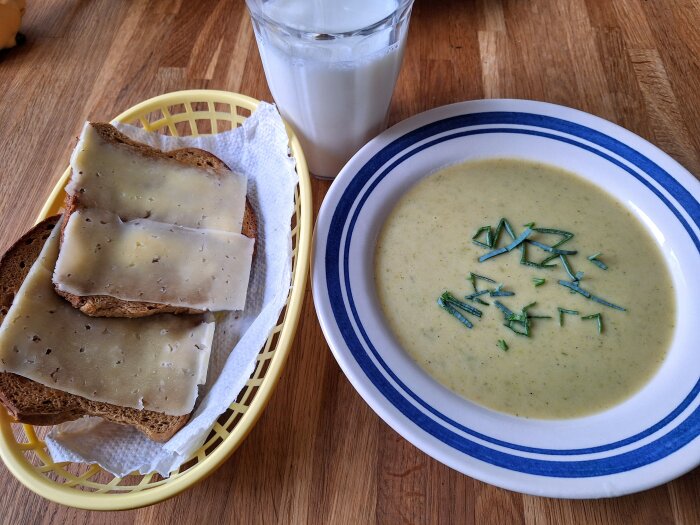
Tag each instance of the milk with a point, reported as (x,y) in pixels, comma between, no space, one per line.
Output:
(335,92)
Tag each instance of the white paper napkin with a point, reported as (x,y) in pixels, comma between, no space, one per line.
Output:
(259,150)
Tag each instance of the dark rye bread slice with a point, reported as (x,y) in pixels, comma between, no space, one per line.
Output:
(107,306)
(30,402)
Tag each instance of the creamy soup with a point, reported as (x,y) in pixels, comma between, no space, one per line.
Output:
(565,367)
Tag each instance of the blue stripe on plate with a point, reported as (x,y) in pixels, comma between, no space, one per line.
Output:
(663,446)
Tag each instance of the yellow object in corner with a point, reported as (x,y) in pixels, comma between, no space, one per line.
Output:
(11,12)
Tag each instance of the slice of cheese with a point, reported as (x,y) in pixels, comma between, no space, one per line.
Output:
(133,185)
(154,362)
(144,260)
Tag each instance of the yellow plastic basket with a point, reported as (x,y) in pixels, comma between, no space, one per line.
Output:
(181,113)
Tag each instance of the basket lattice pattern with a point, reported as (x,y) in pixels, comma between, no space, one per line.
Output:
(177,114)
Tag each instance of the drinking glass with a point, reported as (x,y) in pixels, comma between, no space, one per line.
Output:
(331,66)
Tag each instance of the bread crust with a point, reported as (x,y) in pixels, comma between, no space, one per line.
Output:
(33,403)
(107,306)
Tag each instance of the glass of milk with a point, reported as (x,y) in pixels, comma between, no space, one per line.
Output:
(331,66)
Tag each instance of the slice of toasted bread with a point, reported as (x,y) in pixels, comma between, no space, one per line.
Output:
(106,306)
(30,402)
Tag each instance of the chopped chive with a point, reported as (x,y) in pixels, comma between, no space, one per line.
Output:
(530,225)
(483,277)
(525,332)
(499,251)
(475,297)
(475,238)
(551,249)
(503,308)
(528,306)
(442,304)
(606,303)
(523,319)
(509,230)
(448,298)
(518,318)
(567,267)
(516,242)
(566,236)
(519,239)
(578,275)
(536,265)
(503,223)
(502,345)
(576,288)
(496,234)
(563,311)
(524,261)
(599,318)
(600,264)
(499,292)
(474,276)
(538,281)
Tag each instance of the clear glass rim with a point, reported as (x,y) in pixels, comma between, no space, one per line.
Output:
(401,9)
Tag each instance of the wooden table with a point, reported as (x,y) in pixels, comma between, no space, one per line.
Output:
(319,454)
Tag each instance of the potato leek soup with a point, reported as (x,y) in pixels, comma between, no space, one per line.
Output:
(525,288)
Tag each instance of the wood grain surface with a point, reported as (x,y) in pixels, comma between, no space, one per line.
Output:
(319,454)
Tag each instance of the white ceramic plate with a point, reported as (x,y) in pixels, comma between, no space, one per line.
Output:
(651,438)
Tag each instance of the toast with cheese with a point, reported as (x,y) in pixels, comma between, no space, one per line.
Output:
(31,402)
(109,306)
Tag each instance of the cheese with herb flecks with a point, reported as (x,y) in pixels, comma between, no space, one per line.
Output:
(144,260)
(154,362)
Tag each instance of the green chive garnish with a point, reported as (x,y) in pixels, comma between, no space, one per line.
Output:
(600,264)
(576,288)
(499,292)
(474,276)
(567,267)
(599,318)
(530,225)
(536,265)
(522,319)
(538,281)
(503,308)
(502,224)
(551,249)
(513,323)
(551,257)
(507,227)
(563,311)
(475,297)
(566,236)
(442,304)
(606,303)
(524,261)
(502,345)
(517,242)
(450,299)
(488,237)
